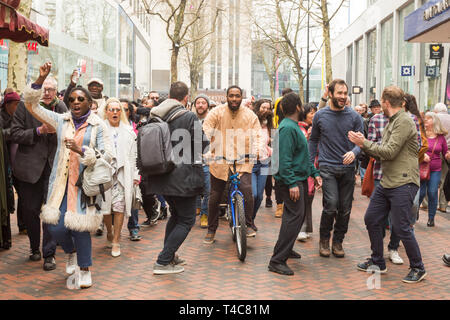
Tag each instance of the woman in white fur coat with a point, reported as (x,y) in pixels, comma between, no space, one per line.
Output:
(119,199)
(78,133)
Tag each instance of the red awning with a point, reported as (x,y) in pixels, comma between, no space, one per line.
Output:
(16,27)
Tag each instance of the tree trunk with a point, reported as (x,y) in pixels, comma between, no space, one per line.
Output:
(18,56)
(326,37)
(194,77)
(174,64)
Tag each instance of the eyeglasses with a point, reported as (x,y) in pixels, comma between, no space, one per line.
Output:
(126,109)
(114,110)
(49,90)
(80,99)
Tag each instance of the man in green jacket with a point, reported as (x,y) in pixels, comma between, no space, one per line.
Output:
(398,153)
(294,168)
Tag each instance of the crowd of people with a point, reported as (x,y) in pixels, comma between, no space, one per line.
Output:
(50,141)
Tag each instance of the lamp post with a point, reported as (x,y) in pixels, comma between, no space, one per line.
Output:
(307,60)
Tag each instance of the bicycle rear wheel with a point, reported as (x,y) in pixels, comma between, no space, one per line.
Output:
(240,228)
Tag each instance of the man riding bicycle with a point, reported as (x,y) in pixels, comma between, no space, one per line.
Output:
(233,131)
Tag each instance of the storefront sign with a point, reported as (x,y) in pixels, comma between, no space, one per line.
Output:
(124,78)
(407,71)
(436,51)
(436,9)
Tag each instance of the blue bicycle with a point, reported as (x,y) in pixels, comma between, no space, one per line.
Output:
(235,211)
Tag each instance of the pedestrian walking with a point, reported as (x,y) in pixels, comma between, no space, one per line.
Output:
(337,157)
(437,146)
(306,120)
(180,196)
(294,168)
(398,153)
(133,220)
(78,133)
(32,173)
(442,112)
(6,194)
(119,199)
(201,107)
(260,169)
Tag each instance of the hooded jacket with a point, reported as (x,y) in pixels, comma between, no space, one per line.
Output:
(186,180)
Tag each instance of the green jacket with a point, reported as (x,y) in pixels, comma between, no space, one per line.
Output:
(293,155)
(398,152)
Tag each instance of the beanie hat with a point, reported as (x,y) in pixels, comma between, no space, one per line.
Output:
(9,97)
(204,96)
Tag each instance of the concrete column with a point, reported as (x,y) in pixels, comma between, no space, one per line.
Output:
(395,64)
(365,64)
(378,63)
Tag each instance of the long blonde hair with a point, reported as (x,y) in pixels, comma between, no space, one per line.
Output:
(123,116)
(438,128)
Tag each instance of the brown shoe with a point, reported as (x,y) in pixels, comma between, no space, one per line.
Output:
(337,249)
(443,209)
(279,212)
(324,248)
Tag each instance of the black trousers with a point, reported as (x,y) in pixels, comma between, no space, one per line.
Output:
(181,221)
(32,197)
(148,201)
(20,219)
(291,223)
(215,197)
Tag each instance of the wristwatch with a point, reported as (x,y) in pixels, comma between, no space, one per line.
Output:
(324,100)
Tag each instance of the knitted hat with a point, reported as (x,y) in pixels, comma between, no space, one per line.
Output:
(204,96)
(9,97)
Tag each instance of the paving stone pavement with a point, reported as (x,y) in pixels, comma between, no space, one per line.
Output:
(213,272)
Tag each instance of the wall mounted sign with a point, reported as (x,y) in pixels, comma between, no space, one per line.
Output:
(436,51)
(407,71)
(357,90)
(432,71)
(436,9)
(124,78)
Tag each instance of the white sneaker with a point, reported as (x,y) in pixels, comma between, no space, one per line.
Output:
(302,236)
(71,263)
(85,279)
(394,257)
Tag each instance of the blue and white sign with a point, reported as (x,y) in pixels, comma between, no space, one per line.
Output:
(430,71)
(407,71)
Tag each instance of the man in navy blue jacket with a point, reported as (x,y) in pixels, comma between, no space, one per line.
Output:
(337,155)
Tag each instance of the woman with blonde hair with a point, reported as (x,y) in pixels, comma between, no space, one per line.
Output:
(118,200)
(437,145)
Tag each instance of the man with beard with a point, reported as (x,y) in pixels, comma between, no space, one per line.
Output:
(337,155)
(201,105)
(225,127)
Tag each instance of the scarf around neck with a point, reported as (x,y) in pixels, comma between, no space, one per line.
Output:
(78,122)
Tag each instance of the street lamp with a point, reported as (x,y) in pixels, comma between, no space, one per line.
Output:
(307,60)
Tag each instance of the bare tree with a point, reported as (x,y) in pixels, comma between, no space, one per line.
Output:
(324,19)
(17,57)
(197,52)
(178,20)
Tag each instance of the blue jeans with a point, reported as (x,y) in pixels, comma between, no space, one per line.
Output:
(202,201)
(431,188)
(133,221)
(162,201)
(259,177)
(398,202)
(71,240)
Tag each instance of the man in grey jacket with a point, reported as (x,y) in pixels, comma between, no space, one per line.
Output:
(31,169)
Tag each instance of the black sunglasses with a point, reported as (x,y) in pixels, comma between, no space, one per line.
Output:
(80,99)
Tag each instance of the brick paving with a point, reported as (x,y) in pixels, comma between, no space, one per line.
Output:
(213,272)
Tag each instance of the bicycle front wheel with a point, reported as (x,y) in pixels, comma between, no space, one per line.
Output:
(240,228)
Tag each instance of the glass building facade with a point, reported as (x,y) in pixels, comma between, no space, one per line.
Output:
(101,41)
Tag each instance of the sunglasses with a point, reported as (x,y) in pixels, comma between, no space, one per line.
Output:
(80,99)
(114,110)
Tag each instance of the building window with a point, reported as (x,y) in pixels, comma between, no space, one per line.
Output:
(405,52)
(360,70)
(371,65)
(387,29)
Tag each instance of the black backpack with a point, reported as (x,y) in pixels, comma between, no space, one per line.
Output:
(154,145)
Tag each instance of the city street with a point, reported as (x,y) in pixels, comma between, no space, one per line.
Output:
(214,272)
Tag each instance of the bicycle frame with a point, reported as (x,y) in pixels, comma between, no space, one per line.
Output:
(234,188)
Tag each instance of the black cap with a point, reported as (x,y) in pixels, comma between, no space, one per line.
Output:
(374,103)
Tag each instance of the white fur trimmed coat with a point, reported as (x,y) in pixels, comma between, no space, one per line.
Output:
(67,165)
